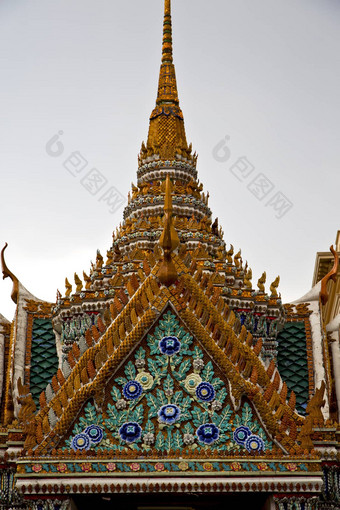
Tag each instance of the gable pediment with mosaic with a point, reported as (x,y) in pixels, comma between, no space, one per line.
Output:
(169,398)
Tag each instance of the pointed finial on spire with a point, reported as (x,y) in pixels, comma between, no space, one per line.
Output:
(166,136)
(167,85)
(167,33)
(169,240)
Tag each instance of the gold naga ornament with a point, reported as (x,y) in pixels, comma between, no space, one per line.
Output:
(87,280)
(78,282)
(238,260)
(68,288)
(247,279)
(273,287)
(230,254)
(261,281)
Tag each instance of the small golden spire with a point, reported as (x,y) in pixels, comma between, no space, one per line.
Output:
(169,240)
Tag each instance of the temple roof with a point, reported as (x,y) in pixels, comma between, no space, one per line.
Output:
(168,353)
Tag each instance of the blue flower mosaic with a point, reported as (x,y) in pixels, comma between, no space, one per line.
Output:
(169,345)
(169,414)
(254,444)
(132,390)
(241,434)
(205,391)
(95,433)
(208,433)
(81,442)
(130,432)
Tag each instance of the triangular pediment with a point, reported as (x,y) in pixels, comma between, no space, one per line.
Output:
(169,397)
(205,327)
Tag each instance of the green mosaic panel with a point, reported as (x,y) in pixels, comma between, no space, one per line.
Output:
(292,361)
(44,359)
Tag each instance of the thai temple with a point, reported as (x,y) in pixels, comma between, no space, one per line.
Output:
(165,377)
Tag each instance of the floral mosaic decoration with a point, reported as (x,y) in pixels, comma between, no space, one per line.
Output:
(169,400)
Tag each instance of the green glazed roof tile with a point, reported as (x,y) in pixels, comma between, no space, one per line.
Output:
(44,359)
(292,361)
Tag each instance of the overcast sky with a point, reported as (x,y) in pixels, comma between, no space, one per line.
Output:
(263,76)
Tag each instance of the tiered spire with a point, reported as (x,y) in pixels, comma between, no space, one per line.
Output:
(166,133)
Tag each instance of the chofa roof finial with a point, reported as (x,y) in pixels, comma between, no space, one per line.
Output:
(7,273)
(329,276)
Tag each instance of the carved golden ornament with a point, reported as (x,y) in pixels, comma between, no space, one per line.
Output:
(6,273)
(230,254)
(238,259)
(168,241)
(109,255)
(332,275)
(135,191)
(78,282)
(314,406)
(305,434)
(273,287)
(45,308)
(302,309)
(31,305)
(28,407)
(99,260)
(261,281)
(247,279)
(88,281)
(68,288)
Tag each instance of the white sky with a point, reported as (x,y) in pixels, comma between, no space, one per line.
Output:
(264,73)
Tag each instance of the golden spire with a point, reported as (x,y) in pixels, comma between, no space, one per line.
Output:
(169,240)
(166,132)
(167,85)
(167,33)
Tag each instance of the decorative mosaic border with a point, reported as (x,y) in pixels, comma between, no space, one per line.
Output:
(156,467)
